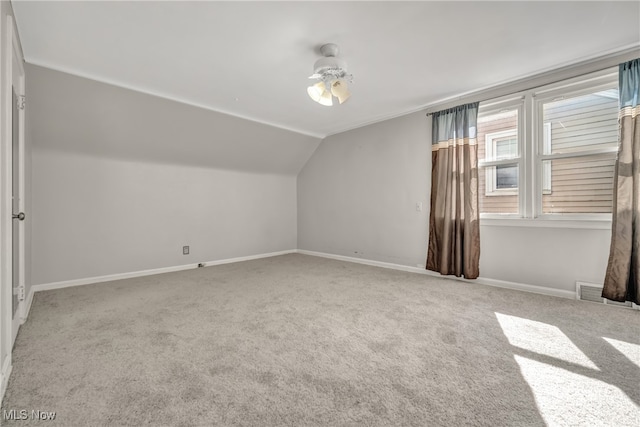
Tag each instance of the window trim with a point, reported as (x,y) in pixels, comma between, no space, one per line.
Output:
(512,221)
(546,171)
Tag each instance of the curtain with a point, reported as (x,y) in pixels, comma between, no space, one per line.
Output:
(454,228)
(623,268)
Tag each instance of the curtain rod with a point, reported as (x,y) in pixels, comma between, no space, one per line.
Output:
(488,99)
(615,57)
(518,91)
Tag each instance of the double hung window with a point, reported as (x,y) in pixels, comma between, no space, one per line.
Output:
(549,153)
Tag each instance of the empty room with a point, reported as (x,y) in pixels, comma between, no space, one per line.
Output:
(299,213)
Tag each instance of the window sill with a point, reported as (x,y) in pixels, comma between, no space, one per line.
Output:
(512,221)
(500,193)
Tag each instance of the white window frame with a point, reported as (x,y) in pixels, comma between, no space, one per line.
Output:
(532,175)
(546,167)
(492,172)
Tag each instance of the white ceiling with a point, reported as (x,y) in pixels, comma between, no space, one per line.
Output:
(252,59)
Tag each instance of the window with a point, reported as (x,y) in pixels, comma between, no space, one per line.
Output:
(550,152)
(581,153)
(501,179)
(499,155)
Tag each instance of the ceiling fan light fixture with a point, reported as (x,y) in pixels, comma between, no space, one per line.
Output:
(315,91)
(325,99)
(340,90)
(319,93)
(333,76)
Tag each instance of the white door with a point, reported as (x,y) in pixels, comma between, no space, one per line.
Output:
(12,200)
(17,187)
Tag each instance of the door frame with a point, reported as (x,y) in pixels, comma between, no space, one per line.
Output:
(20,94)
(11,47)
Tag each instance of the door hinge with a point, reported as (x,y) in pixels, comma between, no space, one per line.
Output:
(22,101)
(21,293)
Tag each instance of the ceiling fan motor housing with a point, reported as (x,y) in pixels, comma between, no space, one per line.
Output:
(330,65)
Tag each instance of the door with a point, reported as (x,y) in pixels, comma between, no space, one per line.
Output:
(17,188)
(12,195)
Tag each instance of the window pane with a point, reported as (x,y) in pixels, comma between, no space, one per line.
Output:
(579,185)
(498,135)
(506,177)
(506,148)
(582,122)
(498,189)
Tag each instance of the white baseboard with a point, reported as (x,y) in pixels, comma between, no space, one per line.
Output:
(368,262)
(480,280)
(249,258)
(543,290)
(120,276)
(4,377)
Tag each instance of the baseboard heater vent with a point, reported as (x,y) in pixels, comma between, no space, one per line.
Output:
(593,293)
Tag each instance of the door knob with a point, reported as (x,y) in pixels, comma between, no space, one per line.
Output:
(19,216)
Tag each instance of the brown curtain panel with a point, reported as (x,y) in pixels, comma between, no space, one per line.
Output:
(454,228)
(623,270)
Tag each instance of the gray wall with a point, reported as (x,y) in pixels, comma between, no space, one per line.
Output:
(122,180)
(111,167)
(357,196)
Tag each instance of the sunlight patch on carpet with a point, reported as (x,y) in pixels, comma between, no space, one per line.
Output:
(565,398)
(630,350)
(542,338)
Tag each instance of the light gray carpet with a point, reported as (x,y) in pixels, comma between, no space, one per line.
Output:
(297,340)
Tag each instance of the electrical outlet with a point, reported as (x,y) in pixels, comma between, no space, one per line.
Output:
(185,250)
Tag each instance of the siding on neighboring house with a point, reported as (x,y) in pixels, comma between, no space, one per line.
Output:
(582,184)
(494,203)
(579,184)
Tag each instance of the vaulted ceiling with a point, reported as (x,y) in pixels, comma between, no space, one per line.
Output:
(252,59)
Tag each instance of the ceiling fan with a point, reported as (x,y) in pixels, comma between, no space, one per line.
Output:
(331,72)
